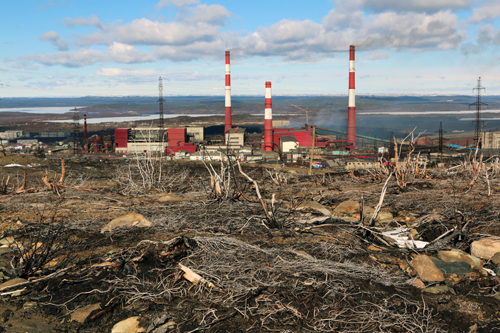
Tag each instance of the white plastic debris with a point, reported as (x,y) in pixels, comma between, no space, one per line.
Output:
(400,235)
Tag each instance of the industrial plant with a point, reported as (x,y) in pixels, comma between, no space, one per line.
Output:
(308,145)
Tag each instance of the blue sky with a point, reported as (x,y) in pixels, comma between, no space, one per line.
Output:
(81,48)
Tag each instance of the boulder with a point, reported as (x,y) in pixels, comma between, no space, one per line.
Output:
(496,259)
(456,255)
(347,207)
(12,282)
(82,313)
(485,248)
(129,325)
(168,197)
(314,205)
(385,217)
(418,284)
(129,220)
(459,268)
(439,290)
(426,269)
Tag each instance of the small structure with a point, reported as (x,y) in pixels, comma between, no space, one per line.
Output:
(235,137)
(288,143)
(490,140)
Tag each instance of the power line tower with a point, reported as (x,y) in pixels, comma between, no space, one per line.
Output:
(76,131)
(441,140)
(479,88)
(160,102)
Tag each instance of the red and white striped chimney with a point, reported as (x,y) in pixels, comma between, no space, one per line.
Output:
(351,113)
(268,124)
(228,121)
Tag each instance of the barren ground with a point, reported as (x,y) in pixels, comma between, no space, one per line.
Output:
(306,275)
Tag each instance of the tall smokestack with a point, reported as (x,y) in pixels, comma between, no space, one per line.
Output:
(268,125)
(84,129)
(351,115)
(228,122)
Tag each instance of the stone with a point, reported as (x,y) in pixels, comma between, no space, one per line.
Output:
(456,255)
(459,268)
(485,248)
(439,290)
(385,217)
(12,282)
(314,205)
(129,220)
(29,305)
(168,197)
(7,241)
(129,325)
(419,284)
(348,207)
(426,269)
(82,313)
(496,259)
(413,234)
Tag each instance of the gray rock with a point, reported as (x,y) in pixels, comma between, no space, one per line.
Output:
(129,220)
(458,267)
(426,269)
(485,248)
(128,325)
(439,290)
(12,282)
(82,313)
(347,207)
(314,205)
(496,259)
(455,255)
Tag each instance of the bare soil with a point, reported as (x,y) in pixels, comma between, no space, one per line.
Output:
(305,276)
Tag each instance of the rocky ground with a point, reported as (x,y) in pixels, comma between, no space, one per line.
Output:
(110,249)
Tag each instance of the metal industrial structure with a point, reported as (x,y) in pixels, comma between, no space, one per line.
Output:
(351,111)
(228,121)
(479,105)
(160,103)
(76,131)
(268,120)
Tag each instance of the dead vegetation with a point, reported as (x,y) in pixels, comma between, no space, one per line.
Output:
(238,250)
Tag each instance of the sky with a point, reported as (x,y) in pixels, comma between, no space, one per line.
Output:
(63,48)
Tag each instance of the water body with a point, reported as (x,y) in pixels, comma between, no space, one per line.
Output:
(131,118)
(416,113)
(42,110)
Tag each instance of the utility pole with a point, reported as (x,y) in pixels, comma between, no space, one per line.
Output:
(479,88)
(160,102)
(312,150)
(76,131)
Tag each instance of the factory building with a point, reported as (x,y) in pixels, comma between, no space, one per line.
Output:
(148,139)
(235,137)
(490,140)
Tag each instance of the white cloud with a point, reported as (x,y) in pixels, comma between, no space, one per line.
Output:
(110,72)
(49,76)
(54,38)
(96,38)
(177,3)
(378,56)
(214,14)
(91,21)
(80,58)
(488,13)
(415,5)
(144,31)
(127,54)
